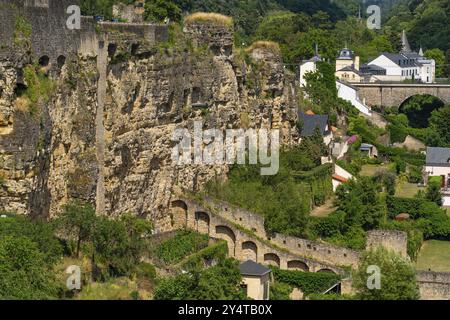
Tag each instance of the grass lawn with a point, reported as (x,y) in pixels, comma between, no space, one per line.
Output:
(407,190)
(369,170)
(434,255)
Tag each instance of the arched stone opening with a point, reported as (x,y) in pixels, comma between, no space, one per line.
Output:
(325,270)
(249,251)
(44,61)
(297,265)
(61,61)
(225,233)
(202,221)
(179,213)
(418,109)
(272,259)
(134,48)
(112,48)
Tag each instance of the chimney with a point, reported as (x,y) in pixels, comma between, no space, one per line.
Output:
(357,63)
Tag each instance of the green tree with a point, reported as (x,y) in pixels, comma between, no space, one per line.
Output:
(439,56)
(441,126)
(158,10)
(433,192)
(398,277)
(221,282)
(77,223)
(24,271)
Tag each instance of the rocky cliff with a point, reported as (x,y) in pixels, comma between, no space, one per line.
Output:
(101,126)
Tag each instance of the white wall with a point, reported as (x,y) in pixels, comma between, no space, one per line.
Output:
(392,69)
(350,94)
(304,69)
(438,171)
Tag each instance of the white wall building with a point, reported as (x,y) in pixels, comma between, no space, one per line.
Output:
(349,93)
(308,66)
(406,65)
(438,165)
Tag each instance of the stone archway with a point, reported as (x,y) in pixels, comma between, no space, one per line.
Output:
(297,265)
(325,270)
(61,61)
(272,259)
(44,61)
(179,213)
(202,221)
(249,251)
(225,233)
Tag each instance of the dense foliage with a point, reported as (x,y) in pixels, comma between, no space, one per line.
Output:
(28,253)
(398,277)
(220,282)
(115,246)
(308,282)
(183,244)
(284,199)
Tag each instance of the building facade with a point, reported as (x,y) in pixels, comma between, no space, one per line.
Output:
(438,165)
(388,67)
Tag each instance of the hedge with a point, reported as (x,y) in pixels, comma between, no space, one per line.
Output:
(412,206)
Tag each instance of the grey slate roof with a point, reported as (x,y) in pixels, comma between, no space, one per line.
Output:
(311,122)
(251,268)
(438,156)
(366,146)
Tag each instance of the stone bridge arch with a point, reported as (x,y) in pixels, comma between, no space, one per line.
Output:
(249,251)
(227,234)
(297,265)
(202,222)
(387,95)
(272,259)
(179,214)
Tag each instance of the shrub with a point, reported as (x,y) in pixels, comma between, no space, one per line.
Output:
(214,18)
(180,246)
(308,282)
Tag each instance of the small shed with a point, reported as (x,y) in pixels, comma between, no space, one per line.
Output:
(255,279)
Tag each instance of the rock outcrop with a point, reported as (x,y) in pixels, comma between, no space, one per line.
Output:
(53,155)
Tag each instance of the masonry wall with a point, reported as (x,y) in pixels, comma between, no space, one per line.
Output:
(394,95)
(50,35)
(390,239)
(434,285)
(321,251)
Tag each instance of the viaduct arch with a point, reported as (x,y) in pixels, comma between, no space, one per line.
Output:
(242,245)
(387,95)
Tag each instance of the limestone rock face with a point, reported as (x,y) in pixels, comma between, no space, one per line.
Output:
(53,157)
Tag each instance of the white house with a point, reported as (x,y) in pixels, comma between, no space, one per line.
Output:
(255,280)
(404,65)
(438,165)
(395,67)
(308,66)
(340,176)
(311,122)
(350,93)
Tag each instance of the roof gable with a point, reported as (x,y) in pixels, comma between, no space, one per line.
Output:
(251,268)
(311,122)
(438,156)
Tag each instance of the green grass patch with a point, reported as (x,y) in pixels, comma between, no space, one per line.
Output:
(434,255)
(407,190)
